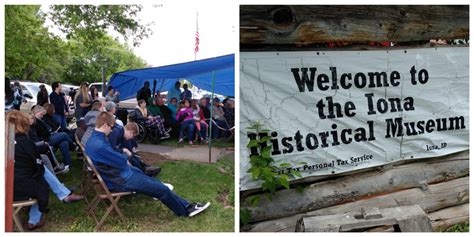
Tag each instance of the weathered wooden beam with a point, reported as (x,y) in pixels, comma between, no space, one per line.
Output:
(435,197)
(447,217)
(314,179)
(301,25)
(350,188)
(407,218)
(440,220)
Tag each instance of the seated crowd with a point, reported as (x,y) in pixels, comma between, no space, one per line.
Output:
(110,143)
(107,141)
(186,117)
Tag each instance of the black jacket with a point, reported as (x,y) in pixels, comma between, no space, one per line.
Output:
(42,98)
(29,179)
(43,130)
(144,94)
(51,122)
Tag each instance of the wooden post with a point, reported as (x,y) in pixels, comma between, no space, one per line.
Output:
(9,174)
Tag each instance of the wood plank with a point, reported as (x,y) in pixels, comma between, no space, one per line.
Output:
(314,179)
(311,24)
(408,218)
(447,217)
(437,196)
(416,224)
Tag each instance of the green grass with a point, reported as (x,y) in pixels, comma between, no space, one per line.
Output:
(463,227)
(191,180)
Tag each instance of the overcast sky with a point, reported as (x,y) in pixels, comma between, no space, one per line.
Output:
(174,30)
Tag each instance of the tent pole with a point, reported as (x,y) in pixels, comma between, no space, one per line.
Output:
(210,121)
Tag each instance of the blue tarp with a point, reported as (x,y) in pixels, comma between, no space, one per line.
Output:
(199,73)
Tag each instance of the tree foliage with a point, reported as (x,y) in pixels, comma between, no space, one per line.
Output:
(30,50)
(93,21)
(33,53)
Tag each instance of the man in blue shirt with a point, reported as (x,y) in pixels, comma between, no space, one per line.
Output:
(120,176)
(174,91)
(60,107)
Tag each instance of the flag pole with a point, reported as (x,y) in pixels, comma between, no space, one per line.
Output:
(196,44)
(210,121)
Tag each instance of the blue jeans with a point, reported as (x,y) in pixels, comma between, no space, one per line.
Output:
(203,131)
(34,216)
(149,186)
(61,119)
(56,186)
(187,125)
(62,140)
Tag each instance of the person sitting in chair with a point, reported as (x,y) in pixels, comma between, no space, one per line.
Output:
(118,137)
(142,113)
(120,176)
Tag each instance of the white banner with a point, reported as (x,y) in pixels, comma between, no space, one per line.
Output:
(340,111)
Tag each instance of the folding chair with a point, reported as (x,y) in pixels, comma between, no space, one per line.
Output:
(88,177)
(103,194)
(17,206)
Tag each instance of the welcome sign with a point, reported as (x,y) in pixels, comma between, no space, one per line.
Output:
(337,111)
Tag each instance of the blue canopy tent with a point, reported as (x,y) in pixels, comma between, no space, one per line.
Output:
(212,74)
(200,73)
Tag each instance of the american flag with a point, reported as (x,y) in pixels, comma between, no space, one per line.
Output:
(196,45)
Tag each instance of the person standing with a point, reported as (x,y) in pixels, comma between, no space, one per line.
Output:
(94,93)
(61,109)
(82,102)
(42,97)
(18,95)
(144,93)
(186,93)
(8,95)
(174,91)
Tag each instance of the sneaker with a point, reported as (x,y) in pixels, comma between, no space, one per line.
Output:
(73,198)
(191,143)
(61,165)
(165,136)
(168,130)
(152,171)
(59,170)
(180,141)
(196,208)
